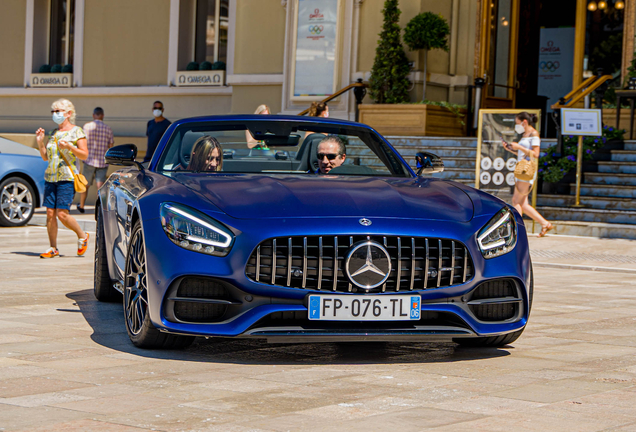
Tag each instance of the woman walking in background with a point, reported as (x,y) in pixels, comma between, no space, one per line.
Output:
(529,146)
(67,141)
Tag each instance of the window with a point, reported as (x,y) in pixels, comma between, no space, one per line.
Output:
(61,32)
(203,30)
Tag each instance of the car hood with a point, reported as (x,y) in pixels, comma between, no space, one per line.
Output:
(247,196)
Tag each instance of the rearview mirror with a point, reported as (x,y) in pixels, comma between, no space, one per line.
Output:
(428,163)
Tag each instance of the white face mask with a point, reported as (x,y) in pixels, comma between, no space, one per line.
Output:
(157,113)
(58,117)
(519,128)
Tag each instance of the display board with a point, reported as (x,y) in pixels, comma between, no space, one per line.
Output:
(315,49)
(494,168)
(581,122)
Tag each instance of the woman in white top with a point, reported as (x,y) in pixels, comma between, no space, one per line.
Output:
(529,145)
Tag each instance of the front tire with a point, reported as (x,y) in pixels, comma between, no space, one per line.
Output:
(141,331)
(102,283)
(16,202)
(499,341)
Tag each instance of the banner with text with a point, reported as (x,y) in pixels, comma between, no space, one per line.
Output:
(315,54)
(556,63)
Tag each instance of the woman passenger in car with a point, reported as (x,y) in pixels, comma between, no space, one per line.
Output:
(207,155)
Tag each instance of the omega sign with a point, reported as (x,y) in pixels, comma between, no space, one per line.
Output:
(200,78)
(51,80)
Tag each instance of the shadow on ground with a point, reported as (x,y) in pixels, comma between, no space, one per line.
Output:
(107,321)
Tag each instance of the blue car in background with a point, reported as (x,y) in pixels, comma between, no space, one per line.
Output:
(21,183)
(270,247)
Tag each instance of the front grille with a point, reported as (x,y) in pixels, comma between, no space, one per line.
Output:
(318,263)
(496,300)
(192,303)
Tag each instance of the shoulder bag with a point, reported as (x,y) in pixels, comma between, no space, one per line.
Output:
(79,181)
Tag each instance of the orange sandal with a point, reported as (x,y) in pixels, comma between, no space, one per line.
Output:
(545,229)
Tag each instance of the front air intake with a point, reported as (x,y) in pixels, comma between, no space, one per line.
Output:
(496,300)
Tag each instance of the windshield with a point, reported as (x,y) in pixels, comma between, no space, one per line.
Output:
(262,146)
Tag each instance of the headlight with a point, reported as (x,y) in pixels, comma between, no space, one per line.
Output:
(499,236)
(195,231)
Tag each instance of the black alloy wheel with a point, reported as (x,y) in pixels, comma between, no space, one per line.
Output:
(141,331)
(16,202)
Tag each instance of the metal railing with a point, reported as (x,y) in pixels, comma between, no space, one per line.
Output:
(359,90)
(584,89)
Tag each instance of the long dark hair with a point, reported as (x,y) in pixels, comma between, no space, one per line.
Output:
(530,118)
(202,148)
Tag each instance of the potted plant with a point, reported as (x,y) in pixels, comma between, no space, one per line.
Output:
(389,81)
(426,31)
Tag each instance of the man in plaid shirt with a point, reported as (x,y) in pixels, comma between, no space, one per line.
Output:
(100,138)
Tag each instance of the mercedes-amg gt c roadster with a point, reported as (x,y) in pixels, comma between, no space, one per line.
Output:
(300,229)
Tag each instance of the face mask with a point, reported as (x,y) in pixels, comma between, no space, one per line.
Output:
(58,117)
(157,113)
(519,129)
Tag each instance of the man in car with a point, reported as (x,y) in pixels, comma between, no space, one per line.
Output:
(331,153)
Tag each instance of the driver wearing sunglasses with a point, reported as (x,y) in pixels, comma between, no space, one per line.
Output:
(331,153)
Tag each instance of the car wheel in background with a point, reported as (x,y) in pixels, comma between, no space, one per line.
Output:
(16,202)
(102,283)
(499,341)
(141,331)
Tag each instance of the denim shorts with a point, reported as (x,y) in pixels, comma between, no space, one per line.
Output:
(59,195)
(93,173)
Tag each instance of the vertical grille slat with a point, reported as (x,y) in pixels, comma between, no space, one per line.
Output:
(426,265)
(350,287)
(452,276)
(304,262)
(399,264)
(439,262)
(274,262)
(412,263)
(319,262)
(258,264)
(335,263)
(289,261)
(417,262)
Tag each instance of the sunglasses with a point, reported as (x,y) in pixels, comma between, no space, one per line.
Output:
(329,156)
(57,111)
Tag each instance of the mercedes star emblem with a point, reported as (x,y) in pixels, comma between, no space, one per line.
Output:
(368,264)
(365,222)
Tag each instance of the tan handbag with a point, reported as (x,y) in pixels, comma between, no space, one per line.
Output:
(79,181)
(526,169)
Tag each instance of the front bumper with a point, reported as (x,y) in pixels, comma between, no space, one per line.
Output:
(279,313)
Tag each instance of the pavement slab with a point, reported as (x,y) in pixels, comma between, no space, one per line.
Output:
(66,362)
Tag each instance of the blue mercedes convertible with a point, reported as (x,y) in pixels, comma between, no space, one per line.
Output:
(300,229)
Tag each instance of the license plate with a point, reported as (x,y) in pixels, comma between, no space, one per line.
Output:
(364,308)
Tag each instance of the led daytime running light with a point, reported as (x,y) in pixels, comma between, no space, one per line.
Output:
(489,231)
(186,215)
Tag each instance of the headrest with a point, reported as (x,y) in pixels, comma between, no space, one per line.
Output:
(188,142)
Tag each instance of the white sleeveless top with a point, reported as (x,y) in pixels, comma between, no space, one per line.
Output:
(527,142)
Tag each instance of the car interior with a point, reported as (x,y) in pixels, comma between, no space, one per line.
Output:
(361,158)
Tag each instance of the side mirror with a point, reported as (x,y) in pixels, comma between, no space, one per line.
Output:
(124,155)
(428,163)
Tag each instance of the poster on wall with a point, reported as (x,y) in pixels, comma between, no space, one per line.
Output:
(315,49)
(556,63)
(495,166)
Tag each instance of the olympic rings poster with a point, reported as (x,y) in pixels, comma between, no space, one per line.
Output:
(556,62)
(315,49)
(494,168)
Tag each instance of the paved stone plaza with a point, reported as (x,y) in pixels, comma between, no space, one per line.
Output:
(66,362)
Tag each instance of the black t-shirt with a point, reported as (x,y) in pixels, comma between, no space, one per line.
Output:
(154,132)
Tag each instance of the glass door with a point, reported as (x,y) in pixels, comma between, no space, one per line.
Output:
(498,52)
